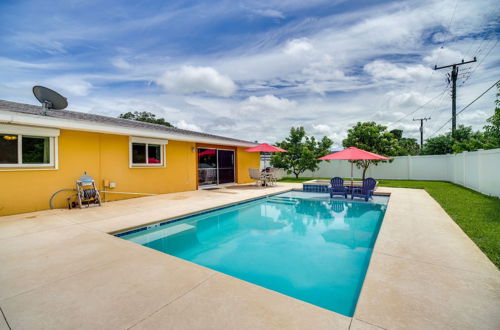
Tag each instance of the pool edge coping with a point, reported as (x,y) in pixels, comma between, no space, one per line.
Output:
(119,233)
(129,230)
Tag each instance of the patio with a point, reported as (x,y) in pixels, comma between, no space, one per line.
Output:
(61,269)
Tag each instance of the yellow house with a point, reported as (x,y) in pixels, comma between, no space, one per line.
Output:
(44,152)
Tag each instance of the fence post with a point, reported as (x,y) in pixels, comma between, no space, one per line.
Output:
(479,178)
(464,164)
(452,168)
(409,167)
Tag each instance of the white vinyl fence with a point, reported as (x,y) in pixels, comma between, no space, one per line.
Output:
(478,170)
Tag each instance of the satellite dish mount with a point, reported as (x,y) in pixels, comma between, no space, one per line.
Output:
(50,100)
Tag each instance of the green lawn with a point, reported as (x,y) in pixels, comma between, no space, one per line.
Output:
(478,215)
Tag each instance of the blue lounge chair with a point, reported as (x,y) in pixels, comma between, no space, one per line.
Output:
(337,187)
(366,191)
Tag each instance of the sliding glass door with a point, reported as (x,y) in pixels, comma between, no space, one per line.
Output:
(207,166)
(225,163)
(215,166)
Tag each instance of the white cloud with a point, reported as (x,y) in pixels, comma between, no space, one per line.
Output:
(8,63)
(72,84)
(182,124)
(40,42)
(444,56)
(297,47)
(120,63)
(402,100)
(306,71)
(380,69)
(270,13)
(270,102)
(191,79)
(322,128)
(439,37)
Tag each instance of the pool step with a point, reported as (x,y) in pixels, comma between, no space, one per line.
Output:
(163,233)
(282,200)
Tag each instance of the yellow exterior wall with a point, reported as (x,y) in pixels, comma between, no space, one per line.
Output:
(244,161)
(104,157)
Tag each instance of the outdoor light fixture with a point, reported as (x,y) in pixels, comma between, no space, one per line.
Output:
(10,137)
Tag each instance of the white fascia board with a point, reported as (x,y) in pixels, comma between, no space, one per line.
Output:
(137,139)
(80,125)
(28,130)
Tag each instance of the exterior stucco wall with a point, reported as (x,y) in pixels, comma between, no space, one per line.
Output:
(246,160)
(105,157)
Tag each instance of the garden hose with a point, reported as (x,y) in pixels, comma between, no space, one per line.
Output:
(57,192)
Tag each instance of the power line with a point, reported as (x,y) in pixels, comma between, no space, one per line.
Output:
(445,40)
(441,99)
(478,49)
(443,44)
(421,129)
(467,54)
(468,105)
(454,76)
(386,101)
(418,108)
(480,62)
(477,98)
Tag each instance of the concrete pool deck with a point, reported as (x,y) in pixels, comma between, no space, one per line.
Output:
(61,269)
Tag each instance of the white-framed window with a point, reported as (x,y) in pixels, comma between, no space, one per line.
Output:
(147,152)
(25,146)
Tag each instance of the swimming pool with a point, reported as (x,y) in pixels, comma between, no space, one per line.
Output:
(304,245)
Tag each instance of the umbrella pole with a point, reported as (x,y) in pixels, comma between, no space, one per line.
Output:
(264,170)
(352,176)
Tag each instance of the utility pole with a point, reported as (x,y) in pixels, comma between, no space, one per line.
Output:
(454,75)
(421,129)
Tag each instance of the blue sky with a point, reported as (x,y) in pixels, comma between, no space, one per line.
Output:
(253,69)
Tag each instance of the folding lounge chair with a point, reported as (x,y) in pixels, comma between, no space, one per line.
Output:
(337,187)
(366,191)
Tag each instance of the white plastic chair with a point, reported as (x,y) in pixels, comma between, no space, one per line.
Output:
(255,174)
(274,174)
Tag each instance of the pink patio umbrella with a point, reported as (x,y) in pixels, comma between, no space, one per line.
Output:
(264,147)
(353,153)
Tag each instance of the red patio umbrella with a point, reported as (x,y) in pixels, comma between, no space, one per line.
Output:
(353,153)
(208,152)
(264,147)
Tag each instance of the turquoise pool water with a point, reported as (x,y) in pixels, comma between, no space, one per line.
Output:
(303,245)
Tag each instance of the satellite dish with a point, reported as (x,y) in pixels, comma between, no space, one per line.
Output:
(50,99)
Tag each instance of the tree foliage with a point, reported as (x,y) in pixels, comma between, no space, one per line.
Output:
(303,152)
(371,137)
(492,129)
(398,133)
(406,146)
(145,116)
(465,140)
(439,145)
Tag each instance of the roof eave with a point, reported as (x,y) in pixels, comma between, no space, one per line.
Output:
(12,117)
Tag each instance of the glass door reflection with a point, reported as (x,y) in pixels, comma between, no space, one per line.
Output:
(207,166)
(215,166)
